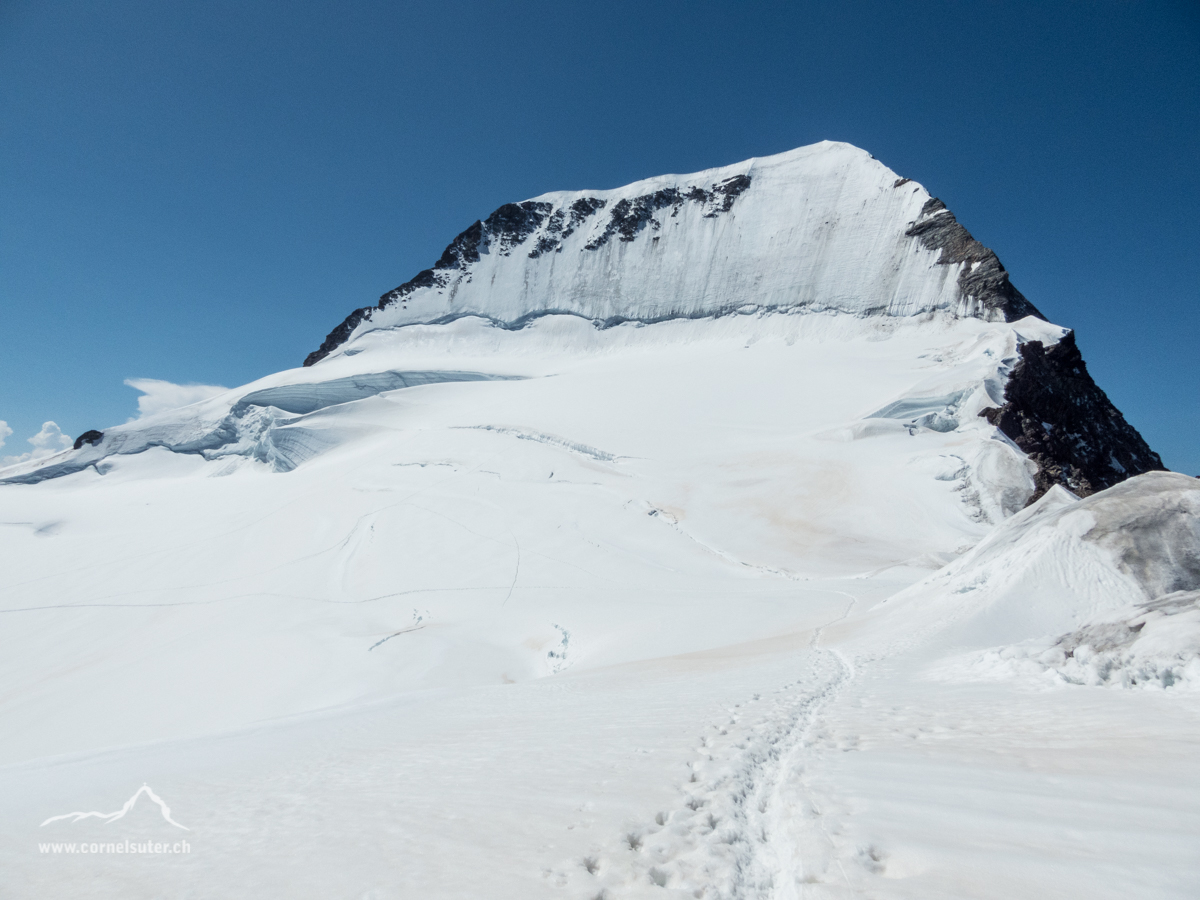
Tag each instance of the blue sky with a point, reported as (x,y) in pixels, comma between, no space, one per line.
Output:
(199,192)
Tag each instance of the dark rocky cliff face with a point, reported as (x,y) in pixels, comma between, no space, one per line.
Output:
(984,278)
(1057,414)
(1052,410)
(338,336)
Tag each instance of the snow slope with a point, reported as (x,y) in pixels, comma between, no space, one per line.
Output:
(718,605)
(1103,590)
(669,461)
(821,228)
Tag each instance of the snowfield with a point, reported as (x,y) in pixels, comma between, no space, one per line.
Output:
(741,605)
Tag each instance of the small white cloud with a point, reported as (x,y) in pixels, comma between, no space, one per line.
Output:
(159,396)
(47,442)
(5,431)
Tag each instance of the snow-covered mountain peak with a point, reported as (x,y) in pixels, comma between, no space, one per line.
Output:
(823,228)
(725,257)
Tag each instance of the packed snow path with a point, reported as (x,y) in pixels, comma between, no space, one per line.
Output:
(748,827)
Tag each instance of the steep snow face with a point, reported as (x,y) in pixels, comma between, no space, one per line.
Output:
(824,227)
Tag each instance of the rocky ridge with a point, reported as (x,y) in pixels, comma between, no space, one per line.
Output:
(1060,417)
(983,277)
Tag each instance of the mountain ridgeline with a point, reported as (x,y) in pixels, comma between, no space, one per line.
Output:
(822,229)
(512,225)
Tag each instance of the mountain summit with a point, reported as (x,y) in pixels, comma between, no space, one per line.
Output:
(821,229)
(824,228)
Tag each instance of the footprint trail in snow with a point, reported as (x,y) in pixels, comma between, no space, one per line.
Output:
(747,826)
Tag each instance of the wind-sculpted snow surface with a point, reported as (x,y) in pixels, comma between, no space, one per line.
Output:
(309,397)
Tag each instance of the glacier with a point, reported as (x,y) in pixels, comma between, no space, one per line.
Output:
(692,539)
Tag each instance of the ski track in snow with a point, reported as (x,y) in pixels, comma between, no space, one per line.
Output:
(394,634)
(749,826)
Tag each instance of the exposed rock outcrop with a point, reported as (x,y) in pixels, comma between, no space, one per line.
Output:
(984,278)
(92,437)
(513,224)
(1057,414)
